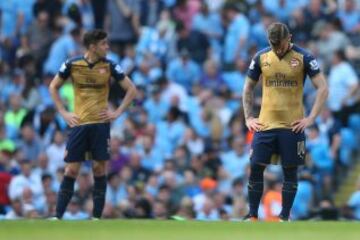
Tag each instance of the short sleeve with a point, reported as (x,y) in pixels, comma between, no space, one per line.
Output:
(311,65)
(254,70)
(65,70)
(117,72)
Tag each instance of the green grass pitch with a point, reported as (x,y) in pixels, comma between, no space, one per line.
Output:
(174,230)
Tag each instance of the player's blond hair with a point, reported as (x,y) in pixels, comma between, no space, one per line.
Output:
(277,32)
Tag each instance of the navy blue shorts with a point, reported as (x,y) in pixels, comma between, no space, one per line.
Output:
(282,143)
(88,142)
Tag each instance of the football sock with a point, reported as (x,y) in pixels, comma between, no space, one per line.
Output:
(99,195)
(288,191)
(64,196)
(255,188)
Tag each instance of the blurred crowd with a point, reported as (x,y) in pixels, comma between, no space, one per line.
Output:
(182,149)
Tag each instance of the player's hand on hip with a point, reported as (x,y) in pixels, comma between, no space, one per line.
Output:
(71,119)
(300,125)
(253,124)
(108,115)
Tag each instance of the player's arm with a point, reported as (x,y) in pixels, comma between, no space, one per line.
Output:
(118,74)
(253,75)
(131,92)
(312,69)
(248,97)
(71,119)
(252,123)
(352,92)
(322,93)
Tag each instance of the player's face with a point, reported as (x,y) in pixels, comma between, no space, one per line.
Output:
(282,48)
(102,47)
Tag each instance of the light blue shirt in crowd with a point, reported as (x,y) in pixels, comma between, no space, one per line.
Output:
(115,196)
(156,110)
(235,165)
(349,20)
(9,14)
(238,29)
(341,78)
(303,199)
(235,81)
(184,74)
(62,49)
(354,202)
(154,160)
(80,215)
(171,132)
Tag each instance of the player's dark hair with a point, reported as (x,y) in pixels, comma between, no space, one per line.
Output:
(277,32)
(93,37)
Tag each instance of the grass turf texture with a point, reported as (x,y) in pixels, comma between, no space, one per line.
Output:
(173,230)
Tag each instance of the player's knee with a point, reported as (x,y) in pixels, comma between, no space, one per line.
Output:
(290,174)
(71,171)
(99,169)
(257,173)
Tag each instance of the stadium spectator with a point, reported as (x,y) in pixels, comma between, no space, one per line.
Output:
(236,38)
(16,211)
(184,70)
(323,162)
(150,12)
(304,198)
(354,202)
(211,78)
(122,21)
(116,191)
(81,12)
(74,211)
(272,200)
(55,152)
(30,145)
(350,17)
(40,37)
(235,161)
(5,179)
(25,180)
(64,47)
(195,42)
(185,10)
(209,24)
(343,87)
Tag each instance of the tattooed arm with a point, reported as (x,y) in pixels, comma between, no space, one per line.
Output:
(248,99)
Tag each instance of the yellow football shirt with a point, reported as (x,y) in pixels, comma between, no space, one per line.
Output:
(91,83)
(282,85)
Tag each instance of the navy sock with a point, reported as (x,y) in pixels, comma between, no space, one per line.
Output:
(255,188)
(288,191)
(64,196)
(99,195)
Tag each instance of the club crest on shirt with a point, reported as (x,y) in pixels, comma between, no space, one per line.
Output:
(294,62)
(266,64)
(102,70)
